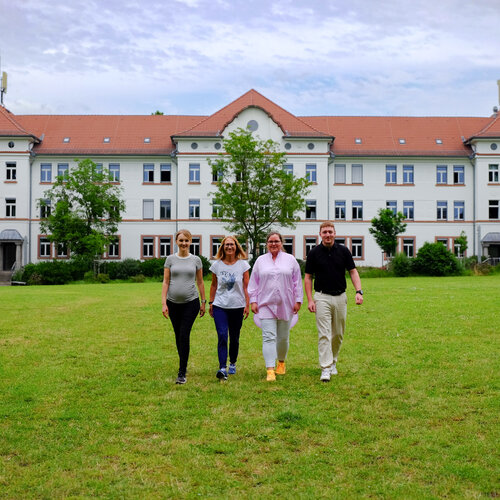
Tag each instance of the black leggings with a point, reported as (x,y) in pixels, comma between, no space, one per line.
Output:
(182,317)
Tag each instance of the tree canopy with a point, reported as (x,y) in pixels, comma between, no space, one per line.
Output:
(385,229)
(85,209)
(254,192)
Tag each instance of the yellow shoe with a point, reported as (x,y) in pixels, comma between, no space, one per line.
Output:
(280,369)
(271,377)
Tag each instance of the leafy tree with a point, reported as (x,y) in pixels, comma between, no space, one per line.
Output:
(85,210)
(157,113)
(461,243)
(386,228)
(254,192)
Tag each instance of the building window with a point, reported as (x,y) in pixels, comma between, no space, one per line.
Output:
(310,243)
(339,174)
(11,172)
(288,244)
(194,209)
(391,174)
(165,172)
(409,247)
(44,208)
(459,210)
(114,172)
(216,175)
(194,172)
(10,207)
(457,249)
(148,246)
(357,174)
(392,205)
(408,174)
(441,174)
(443,241)
(408,209)
(442,210)
(288,168)
(216,241)
(62,170)
(458,174)
(216,209)
(114,249)
(165,246)
(493,173)
(46,172)
(98,168)
(310,209)
(357,248)
(311,172)
(62,250)
(44,248)
(340,240)
(195,246)
(493,209)
(340,210)
(148,209)
(357,210)
(148,172)
(165,209)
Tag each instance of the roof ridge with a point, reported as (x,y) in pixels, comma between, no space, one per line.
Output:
(5,112)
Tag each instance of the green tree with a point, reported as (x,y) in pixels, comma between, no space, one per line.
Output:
(385,229)
(461,244)
(157,112)
(254,192)
(85,210)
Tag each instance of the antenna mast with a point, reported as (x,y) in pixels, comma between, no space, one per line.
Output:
(3,83)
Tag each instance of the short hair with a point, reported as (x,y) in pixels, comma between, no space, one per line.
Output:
(274,232)
(327,223)
(221,253)
(185,232)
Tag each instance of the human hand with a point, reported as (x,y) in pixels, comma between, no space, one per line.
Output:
(255,307)
(246,311)
(202,309)
(311,306)
(165,310)
(211,310)
(359,299)
(296,307)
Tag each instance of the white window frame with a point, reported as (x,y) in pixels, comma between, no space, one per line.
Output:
(459,210)
(194,208)
(442,174)
(311,210)
(442,210)
(458,174)
(148,246)
(114,172)
(165,209)
(408,174)
(409,209)
(148,170)
(340,173)
(391,174)
(46,172)
(311,172)
(194,172)
(10,171)
(392,205)
(493,173)
(148,209)
(340,210)
(357,173)
(10,208)
(357,210)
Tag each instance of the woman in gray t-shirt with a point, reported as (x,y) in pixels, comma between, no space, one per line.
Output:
(179,297)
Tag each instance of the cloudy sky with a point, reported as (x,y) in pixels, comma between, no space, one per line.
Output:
(312,57)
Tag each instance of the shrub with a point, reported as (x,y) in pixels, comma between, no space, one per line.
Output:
(122,270)
(88,277)
(138,278)
(206,265)
(400,265)
(434,259)
(102,278)
(152,267)
(302,265)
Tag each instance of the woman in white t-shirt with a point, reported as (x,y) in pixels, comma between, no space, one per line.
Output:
(229,301)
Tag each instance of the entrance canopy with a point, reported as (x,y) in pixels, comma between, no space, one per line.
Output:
(491,238)
(12,235)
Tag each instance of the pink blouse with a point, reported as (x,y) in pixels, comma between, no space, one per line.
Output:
(275,285)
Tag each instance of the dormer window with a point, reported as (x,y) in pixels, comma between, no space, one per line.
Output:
(107,139)
(66,139)
(358,140)
(402,141)
(147,140)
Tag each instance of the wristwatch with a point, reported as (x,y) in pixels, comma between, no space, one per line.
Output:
(203,301)
(360,292)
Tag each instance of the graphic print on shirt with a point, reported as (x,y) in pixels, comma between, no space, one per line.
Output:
(227,280)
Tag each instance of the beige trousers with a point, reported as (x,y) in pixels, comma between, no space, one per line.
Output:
(331,313)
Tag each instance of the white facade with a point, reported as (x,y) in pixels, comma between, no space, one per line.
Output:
(442,195)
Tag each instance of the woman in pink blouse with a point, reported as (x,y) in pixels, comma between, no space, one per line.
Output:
(275,290)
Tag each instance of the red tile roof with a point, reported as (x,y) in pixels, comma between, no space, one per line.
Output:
(379,135)
(291,125)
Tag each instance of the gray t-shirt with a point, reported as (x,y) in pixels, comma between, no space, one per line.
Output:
(230,294)
(182,287)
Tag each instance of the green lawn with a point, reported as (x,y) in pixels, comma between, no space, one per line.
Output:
(89,408)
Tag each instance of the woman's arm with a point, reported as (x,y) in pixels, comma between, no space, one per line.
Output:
(164,291)
(201,288)
(213,289)
(246,278)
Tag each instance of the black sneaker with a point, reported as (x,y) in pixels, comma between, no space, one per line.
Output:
(221,374)
(181,379)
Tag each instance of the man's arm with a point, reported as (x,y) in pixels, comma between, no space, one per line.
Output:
(356,282)
(311,305)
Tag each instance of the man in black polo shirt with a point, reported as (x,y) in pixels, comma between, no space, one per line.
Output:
(327,262)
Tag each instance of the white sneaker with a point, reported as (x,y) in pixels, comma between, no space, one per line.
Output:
(333,370)
(325,375)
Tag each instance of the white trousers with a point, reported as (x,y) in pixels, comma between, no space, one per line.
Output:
(331,313)
(275,339)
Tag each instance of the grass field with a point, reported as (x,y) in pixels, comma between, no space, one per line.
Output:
(89,408)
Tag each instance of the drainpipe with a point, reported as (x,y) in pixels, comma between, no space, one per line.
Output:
(30,206)
(173,155)
(332,158)
(472,159)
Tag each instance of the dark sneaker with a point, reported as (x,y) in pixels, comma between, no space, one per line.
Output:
(221,374)
(232,369)
(181,379)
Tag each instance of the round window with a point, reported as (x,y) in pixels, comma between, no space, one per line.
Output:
(493,146)
(217,145)
(194,145)
(11,144)
(288,146)
(252,125)
(310,145)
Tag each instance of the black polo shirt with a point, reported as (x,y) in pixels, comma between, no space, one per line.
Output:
(328,266)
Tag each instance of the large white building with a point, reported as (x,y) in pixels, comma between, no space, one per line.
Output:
(441,172)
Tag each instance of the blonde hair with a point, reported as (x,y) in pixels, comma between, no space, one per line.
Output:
(185,232)
(326,224)
(221,253)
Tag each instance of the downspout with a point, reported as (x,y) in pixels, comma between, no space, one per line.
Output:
(332,158)
(30,206)
(173,155)
(472,159)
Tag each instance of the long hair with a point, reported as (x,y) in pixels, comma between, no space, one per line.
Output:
(221,253)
